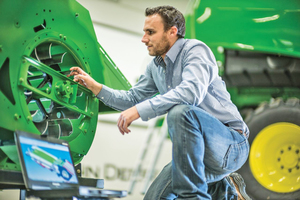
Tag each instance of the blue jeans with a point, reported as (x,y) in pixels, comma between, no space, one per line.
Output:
(204,153)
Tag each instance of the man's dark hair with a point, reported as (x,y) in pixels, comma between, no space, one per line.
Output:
(171,17)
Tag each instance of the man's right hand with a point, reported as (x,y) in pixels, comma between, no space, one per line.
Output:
(85,79)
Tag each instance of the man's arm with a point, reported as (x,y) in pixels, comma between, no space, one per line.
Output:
(144,89)
(118,98)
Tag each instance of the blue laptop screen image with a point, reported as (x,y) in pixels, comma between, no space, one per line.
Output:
(48,170)
(47,162)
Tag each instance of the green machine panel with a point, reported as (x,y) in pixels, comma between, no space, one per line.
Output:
(39,42)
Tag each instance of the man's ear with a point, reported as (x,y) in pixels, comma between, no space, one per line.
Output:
(173,31)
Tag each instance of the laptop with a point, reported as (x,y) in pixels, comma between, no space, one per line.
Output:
(48,169)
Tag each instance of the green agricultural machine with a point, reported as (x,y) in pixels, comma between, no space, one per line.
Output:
(257,47)
(39,42)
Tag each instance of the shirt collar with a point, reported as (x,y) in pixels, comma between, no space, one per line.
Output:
(175,49)
(171,54)
(159,61)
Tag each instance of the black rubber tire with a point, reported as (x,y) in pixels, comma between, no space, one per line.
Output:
(266,114)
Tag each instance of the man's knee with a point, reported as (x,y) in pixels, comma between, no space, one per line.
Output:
(177,112)
(186,115)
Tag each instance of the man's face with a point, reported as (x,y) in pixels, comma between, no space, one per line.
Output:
(155,38)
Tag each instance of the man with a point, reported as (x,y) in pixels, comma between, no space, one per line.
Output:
(208,134)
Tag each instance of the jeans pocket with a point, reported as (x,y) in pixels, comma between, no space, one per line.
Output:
(236,156)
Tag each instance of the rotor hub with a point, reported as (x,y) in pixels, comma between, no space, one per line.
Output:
(65,91)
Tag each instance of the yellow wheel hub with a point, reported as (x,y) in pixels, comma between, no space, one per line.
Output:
(275,157)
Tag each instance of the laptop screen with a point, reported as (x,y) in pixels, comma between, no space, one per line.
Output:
(46,162)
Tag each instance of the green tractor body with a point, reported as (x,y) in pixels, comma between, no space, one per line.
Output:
(39,42)
(257,48)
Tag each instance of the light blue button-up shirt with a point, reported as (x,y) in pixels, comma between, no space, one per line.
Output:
(187,75)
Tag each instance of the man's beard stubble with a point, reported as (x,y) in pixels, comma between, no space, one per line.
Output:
(162,48)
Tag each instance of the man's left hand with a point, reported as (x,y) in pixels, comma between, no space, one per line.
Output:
(126,118)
